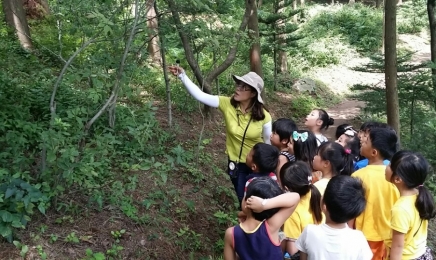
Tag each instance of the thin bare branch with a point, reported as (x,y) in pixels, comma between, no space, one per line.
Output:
(113,97)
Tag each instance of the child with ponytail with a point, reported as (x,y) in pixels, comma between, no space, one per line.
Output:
(412,211)
(303,146)
(317,121)
(349,140)
(332,159)
(297,177)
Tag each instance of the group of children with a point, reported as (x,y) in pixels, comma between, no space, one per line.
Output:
(355,198)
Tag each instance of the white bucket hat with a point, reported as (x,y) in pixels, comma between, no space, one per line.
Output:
(253,80)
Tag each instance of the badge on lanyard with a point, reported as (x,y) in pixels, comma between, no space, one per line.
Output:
(232,166)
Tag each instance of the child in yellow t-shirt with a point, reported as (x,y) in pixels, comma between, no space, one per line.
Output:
(297,177)
(411,212)
(380,144)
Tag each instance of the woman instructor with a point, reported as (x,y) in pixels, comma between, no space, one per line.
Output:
(246,119)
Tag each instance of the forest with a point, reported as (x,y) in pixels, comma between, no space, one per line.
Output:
(105,155)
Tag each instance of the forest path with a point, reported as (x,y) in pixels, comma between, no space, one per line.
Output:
(341,77)
(343,113)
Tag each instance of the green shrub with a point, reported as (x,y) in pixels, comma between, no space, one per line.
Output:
(357,25)
(42,159)
(412,16)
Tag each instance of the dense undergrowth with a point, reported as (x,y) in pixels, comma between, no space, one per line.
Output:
(131,186)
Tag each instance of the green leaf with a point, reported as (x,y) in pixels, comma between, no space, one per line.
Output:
(145,167)
(17,224)
(157,164)
(5,231)
(99,256)
(25,186)
(41,208)
(106,29)
(24,250)
(6,216)
(164,177)
(88,252)
(26,201)
(19,195)
(10,192)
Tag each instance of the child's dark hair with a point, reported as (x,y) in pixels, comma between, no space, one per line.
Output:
(325,118)
(265,157)
(344,198)
(284,127)
(367,126)
(413,169)
(305,150)
(341,129)
(340,158)
(297,177)
(353,144)
(385,141)
(384,125)
(265,188)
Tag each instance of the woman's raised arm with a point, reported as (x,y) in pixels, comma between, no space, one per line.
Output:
(194,90)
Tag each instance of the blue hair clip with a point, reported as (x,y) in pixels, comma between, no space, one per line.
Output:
(303,136)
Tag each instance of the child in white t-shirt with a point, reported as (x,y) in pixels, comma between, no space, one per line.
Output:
(344,199)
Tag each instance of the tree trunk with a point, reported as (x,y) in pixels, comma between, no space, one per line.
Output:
(432,22)
(351,2)
(392,108)
(275,65)
(294,7)
(400,2)
(153,44)
(378,3)
(164,68)
(384,30)
(282,60)
(16,18)
(253,33)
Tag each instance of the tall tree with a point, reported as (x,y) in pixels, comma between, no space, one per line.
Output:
(164,68)
(431,4)
(206,82)
(153,25)
(392,108)
(278,34)
(282,60)
(16,19)
(253,33)
(378,3)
